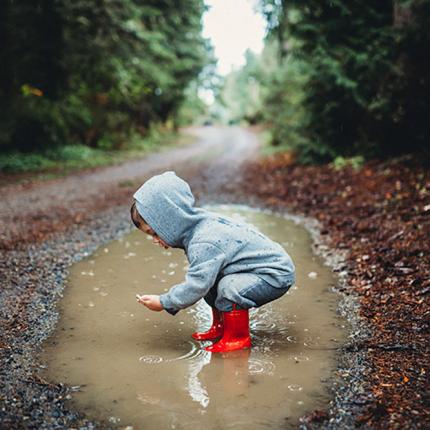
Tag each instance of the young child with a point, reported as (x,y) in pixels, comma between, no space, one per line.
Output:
(233,266)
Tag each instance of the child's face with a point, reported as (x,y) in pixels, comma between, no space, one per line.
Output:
(155,238)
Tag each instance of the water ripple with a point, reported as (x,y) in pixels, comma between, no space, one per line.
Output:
(258,366)
(265,326)
(151,359)
(295,387)
(193,353)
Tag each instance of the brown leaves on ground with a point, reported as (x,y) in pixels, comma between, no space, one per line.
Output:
(381,215)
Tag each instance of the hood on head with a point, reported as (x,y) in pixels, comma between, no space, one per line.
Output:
(166,203)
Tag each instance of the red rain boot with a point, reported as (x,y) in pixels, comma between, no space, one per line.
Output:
(236,332)
(215,330)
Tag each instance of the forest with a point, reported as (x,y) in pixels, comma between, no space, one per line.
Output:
(339,78)
(94,74)
(348,79)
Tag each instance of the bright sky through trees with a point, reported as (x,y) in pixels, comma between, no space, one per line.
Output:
(233,26)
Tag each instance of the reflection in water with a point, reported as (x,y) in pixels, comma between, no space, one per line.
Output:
(194,386)
(142,369)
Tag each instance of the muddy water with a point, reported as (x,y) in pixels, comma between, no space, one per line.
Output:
(142,369)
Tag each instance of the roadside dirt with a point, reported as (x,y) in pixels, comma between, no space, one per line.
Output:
(380,214)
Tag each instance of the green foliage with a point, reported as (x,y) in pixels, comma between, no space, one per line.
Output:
(68,157)
(241,92)
(19,162)
(93,72)
(352,77)
(193,110)
(285,86)
(355,162)
(70,153)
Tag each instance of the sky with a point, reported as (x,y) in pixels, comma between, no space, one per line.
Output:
(233,27)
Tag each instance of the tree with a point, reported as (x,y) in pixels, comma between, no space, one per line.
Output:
(363,77)
(92,71)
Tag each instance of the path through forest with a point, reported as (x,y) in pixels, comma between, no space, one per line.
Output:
(30,211)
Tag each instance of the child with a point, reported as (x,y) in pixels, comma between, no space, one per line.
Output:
(233,266)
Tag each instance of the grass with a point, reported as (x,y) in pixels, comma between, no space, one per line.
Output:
(64,160)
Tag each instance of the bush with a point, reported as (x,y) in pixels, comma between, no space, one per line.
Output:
(19,163)
(34,123)
(355,162)
(70,153)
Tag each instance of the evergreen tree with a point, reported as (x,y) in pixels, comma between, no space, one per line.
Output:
(93,71)
(364,77)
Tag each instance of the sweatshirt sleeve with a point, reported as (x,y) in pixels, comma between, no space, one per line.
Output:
(206,260)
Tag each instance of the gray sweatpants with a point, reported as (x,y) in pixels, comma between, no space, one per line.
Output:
(246,290)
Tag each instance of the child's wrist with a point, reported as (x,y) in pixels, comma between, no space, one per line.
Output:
(165,302)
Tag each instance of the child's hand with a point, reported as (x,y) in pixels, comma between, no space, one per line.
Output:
(151,301)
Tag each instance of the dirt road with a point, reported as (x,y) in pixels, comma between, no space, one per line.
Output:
(29,212)
(45,226)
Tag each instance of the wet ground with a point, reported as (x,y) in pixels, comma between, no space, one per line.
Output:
(366,223)
(141,368)
(379,217)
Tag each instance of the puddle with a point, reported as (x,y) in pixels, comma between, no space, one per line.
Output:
(142,369)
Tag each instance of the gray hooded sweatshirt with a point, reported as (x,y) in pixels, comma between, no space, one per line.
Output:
(215,245)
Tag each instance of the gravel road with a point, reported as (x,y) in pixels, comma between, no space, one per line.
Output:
(30,211)
(48,225)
